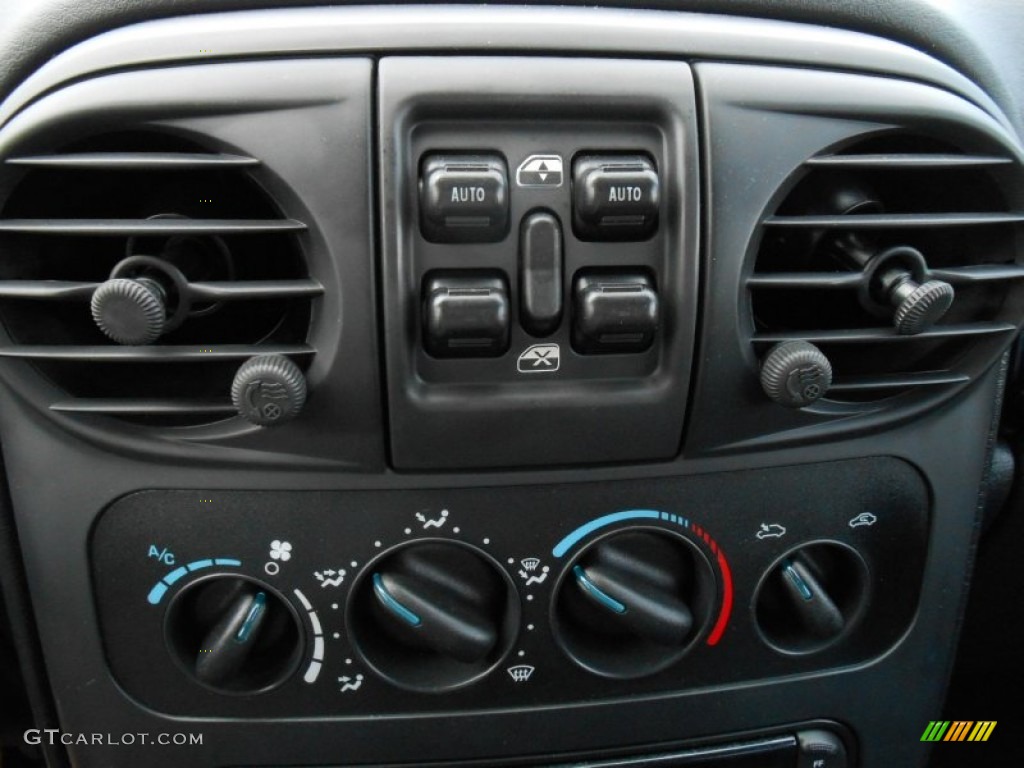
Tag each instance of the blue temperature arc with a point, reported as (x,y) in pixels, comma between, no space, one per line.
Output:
(616,517)
(156,594)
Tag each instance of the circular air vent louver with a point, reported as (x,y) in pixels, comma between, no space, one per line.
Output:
(73,216)
(903,206)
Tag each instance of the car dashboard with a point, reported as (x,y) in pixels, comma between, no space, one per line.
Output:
(504,385)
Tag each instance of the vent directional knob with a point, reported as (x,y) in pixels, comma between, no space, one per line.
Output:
(268,390)
(796,374)
(918,305)
(130,311)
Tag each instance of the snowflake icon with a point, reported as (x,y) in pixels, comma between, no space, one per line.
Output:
(281,550)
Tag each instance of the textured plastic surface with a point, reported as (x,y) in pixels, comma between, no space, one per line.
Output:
(538,30)
(578,408)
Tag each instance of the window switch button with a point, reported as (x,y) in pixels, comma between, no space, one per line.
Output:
(463,198)
(466,316)
(614,313)
(615,197)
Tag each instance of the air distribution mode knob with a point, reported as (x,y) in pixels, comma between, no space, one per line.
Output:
(130,311)
(434,615)
(268,390)
(234,634)
(795,374)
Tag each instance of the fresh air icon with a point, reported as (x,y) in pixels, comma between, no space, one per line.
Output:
(540,171)
(540,358)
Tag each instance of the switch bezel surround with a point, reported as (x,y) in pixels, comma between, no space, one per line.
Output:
(443,413)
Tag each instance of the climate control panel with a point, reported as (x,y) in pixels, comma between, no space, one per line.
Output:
(223,602)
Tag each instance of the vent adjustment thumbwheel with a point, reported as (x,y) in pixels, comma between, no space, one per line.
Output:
(918,306)
(268,390)
(130,311)
(796,374)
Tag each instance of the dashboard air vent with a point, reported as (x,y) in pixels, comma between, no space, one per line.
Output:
(162,216)
(896,257)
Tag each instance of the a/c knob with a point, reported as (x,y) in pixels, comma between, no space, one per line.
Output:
(234,634)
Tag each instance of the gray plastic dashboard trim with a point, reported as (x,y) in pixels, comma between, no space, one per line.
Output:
(457,29)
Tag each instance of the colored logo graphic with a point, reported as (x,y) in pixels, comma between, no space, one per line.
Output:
(958,730)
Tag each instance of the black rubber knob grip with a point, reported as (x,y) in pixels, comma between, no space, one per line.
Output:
(440,598)
(633,585)
(226,647)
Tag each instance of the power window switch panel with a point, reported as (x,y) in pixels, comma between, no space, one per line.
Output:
(466,316)
(463,198)
(614,313)
(615,197)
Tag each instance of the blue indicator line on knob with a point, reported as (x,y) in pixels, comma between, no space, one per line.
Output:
(588,528)
(393,605)
(259,604)
(156,594)
(596,592)
(796,579)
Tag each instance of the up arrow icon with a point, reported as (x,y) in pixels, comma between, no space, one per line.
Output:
(540,171)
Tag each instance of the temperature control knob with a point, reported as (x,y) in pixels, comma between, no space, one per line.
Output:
(434,615)
(234,634)
(633,602)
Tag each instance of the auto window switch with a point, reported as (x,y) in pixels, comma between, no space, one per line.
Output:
(614,313)
(615,197)
(466,316)
(463,198)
